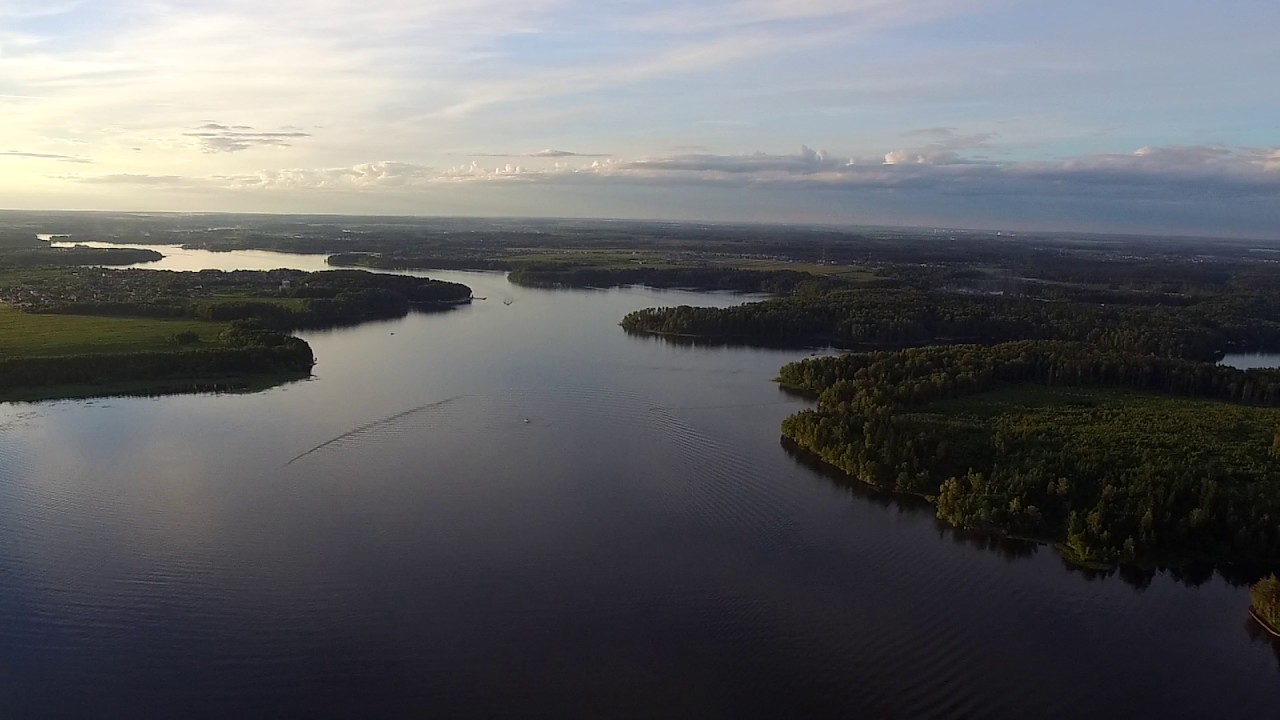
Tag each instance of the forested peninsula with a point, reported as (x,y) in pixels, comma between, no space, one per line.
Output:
(1114,456)
(1063,394)
(608,269)
(71,332)
(1181,326)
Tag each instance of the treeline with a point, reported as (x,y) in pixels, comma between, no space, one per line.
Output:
(344,308)
(75,256)
(332,283)
(260,308)
(461,261)
(926,374)
(778,282)
(568,274)
(246,350)
(1111,483)
(280,299)
(909,317)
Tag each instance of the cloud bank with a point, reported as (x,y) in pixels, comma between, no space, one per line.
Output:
(1173,173)
(45,156)
(218,138)
(244,104)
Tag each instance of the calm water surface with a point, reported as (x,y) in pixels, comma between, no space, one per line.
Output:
(517,509)
(1246,361)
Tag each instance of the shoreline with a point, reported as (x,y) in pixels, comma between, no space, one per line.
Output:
(239,383)
(1065,553)
(1253,613)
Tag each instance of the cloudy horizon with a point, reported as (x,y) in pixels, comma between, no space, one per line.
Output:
(1147,118)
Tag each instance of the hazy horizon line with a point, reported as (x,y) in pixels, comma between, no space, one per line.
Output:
(668,221)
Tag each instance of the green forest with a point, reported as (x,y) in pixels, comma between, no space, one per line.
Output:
(1112,455)
(905,317)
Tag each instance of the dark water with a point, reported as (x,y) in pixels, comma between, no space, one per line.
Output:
(518,510)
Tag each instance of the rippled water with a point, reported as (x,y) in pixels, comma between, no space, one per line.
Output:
(517,509)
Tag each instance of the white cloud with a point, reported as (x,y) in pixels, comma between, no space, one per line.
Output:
(943,151)
(168,181)
(45,156)
(548,153)
(365,176)
(217,138)
(28,9)
(149,89)
(692,16)
(1172,173)
(166,67)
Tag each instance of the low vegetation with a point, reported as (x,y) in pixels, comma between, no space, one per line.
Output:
(24,334)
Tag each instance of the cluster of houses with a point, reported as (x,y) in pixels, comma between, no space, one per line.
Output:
(118,287)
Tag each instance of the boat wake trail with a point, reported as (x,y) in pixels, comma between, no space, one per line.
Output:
(375,425)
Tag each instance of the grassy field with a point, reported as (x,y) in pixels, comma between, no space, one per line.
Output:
(28,335)
(846,272)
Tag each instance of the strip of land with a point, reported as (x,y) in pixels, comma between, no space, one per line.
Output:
(77,332)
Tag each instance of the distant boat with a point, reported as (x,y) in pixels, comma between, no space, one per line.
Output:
(526,420)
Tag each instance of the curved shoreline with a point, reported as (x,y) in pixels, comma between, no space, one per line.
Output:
(1253,613)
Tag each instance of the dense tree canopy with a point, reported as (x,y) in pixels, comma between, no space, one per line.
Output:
(1121,468)
(908,317)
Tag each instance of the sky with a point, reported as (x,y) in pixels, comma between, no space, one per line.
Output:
(1147,116)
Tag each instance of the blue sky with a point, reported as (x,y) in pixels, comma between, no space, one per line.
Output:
(1136,116)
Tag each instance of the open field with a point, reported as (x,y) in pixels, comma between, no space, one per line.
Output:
(29,335)
(849,273)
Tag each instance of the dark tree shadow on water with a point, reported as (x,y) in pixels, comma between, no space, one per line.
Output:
(1011,549)
(1259,635)
(1190,573)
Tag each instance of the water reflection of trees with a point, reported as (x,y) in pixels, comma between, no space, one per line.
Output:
(693,341)
(1257,634)
(1192,573)
(1010,548)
